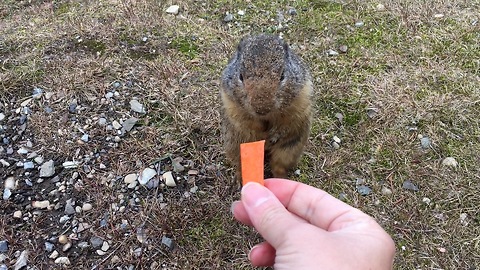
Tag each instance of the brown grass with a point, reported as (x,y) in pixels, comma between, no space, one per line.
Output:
(415,69)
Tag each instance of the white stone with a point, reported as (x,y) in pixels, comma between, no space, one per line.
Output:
(105,246)
(25,103)
(87,207)
(386,191)
(146,175)
(450,162)
(100,252)
(173,9)
(22,151)
(169,180)
(116,125)
(241,12)
(41,204)
(47,169)
(54,255)
(130,178)
(17,214)
(336,139)
(438,15)
(10,183)
(4,163)
(2,116)
(70,164)
(426,200)
(38,160)
(62,260)
(136,106)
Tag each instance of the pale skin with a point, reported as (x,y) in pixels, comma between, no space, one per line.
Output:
(306,228)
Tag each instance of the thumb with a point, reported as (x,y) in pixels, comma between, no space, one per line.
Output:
(267,214)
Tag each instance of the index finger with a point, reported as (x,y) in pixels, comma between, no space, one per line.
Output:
(314,205)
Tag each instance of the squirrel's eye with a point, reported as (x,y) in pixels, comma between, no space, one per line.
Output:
(241,77)
(282,77)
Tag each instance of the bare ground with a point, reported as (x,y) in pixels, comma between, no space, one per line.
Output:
(411,70)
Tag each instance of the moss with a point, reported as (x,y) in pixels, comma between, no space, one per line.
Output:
(185,45)
(93,46)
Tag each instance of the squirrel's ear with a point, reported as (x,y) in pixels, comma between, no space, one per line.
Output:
(241,44)
(286,48)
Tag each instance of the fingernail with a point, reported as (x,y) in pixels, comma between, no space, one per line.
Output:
(251,250)
(254,194)
(232,207)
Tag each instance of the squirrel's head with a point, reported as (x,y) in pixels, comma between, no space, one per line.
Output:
(264,75)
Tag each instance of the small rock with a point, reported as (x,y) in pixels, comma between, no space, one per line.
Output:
(173,9)
(442,249)
(409,186)
(4,163)
(96,241)
(141,237)
(194,189)
(37,92)
(426,200)
(228,17)
(331,52)
(26,102)
(47,169)
(336,139)
(386,191)
(41,204)
(153,183)
(2,116)
(167,242)
(84,137)
(38,160)
(425,142)
(87,207)
(100,252)
(3,246)
(70,164)
(109,95)
(169,180)
(177,167)
(83,226)
(28,165)
(359,24)
(49,246)
(146,175)
(105,246)
(438,16)
(335,145)
(63,239)
(102,121)
(83,245)
(450,162)
(380,7)
(21,261)
(17,214)
(10,183)
(343,48)
(54,255)
(62,260)
(67,246)
(292,12)
(130,178)
(22,151)
(136,106)
(129,123)
(6,194)
(69,209)
(364,190)
(72,108)
(116,125)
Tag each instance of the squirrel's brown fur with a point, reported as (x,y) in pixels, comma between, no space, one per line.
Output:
(267,95)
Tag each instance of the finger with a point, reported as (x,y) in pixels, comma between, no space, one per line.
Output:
(314,205)
(240,213)
(267,214)
(262,254)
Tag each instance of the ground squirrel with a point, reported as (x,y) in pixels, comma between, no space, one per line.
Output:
(266,93)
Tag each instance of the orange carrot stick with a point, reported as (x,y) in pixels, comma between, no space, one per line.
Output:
(251,157)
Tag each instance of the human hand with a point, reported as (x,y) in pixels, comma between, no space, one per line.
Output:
(306,228)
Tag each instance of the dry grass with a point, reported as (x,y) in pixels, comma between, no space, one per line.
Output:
(419,72)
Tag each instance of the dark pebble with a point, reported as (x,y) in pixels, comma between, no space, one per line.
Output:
(72,108)
(292,12)
(167,242)
(364,190)
(4,246)
(409,186)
